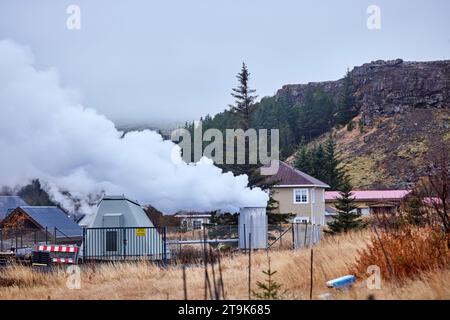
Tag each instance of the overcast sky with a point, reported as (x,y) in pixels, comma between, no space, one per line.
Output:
(147,61)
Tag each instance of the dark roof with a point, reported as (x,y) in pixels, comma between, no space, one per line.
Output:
(52,217)
(122,197)
(193,214)
(9,203)
(80,217)
(289,176)
(330,210)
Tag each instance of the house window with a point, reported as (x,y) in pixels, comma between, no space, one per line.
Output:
(197,224)
(301,220)
(111,241)
(184,225)
(300,195)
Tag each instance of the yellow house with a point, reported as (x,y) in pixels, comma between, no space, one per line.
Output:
(299,193)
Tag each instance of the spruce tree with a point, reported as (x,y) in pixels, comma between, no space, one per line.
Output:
(243,110)
(320,169)
(315,114)
(244,104)
(333,168)
(35,195)
(346,218)
(321,162)
(269,289)
(302,160)
(346,104)
(310,160)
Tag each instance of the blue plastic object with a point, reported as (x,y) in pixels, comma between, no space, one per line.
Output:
(342,282)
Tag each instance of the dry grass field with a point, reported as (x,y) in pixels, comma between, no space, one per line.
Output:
(333,257)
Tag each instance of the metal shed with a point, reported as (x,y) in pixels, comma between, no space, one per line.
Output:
(121,230)
(40,224)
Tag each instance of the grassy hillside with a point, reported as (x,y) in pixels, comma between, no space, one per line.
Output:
(390,153)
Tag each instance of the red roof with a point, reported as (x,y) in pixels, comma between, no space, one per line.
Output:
(370,194)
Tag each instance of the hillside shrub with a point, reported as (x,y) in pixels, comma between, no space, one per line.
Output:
(404,253)
(350,126)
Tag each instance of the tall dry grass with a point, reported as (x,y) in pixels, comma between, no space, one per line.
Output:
(333,257)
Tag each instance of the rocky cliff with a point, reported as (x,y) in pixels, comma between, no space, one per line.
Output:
(386,88)
(402,107)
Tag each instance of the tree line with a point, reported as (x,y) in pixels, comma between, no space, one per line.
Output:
(296,122)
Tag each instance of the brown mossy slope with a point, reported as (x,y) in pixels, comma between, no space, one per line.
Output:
(391,152)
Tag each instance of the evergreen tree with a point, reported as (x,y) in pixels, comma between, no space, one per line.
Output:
(346,105)
(333,169)
(302,160)
(346,218)
(320,170)
(414,208)
(35,195)
(286,141)
(321,162)
(244,104)
(269,289)
(306,160)
(316,114)
(243,111)
(278,113)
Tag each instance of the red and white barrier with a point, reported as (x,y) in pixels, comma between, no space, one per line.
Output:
(55,248)
(63,260)
(69,253)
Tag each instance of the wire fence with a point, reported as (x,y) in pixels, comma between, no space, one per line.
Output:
(113,244)
(281,236)
(159,243)
(305,234)
(12,239)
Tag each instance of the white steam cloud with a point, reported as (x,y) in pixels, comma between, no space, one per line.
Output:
(46,133)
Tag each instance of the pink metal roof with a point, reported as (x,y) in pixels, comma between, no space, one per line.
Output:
(370,194)
(432,201)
